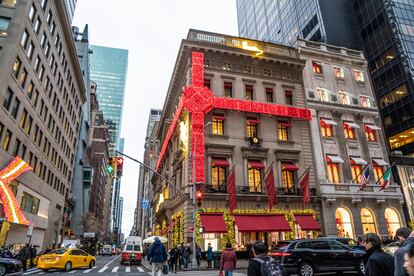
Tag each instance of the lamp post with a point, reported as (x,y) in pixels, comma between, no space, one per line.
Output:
(194,260)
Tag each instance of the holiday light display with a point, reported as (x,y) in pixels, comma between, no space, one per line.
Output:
(11,206)
(199,100)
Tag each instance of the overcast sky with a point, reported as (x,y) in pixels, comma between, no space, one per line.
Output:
(152,31)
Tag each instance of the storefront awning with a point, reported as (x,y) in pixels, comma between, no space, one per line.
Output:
(380,162)
(373,127)
(262,223)
(256,165)
(351,125)
(334,159)
(307,222)
(358,161)
(289,167)
(213,223)
(329,122)
(220,162)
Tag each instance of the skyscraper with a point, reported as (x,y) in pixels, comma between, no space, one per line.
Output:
(109,70)
(70,6)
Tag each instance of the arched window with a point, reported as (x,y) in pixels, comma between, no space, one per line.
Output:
(344,223)
(368,222)
(392,220)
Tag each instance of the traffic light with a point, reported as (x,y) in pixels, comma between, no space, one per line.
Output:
(119,166)
(199,197)
(110,168)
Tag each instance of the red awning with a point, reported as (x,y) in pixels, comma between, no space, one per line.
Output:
(213,223)
(256,165)
(220,163)
(289,167)
(262,223)
(307,222)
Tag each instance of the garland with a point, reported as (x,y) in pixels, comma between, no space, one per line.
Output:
(158,230)
(178,229)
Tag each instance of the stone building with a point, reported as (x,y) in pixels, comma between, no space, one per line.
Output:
(41,92)
(243,109)
(347,138)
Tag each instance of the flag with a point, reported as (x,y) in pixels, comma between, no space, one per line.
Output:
(66,216)
(386,179)
(364,178)
(270,186)
(304,187)
(231,188)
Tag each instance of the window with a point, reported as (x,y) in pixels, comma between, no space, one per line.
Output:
(370,134)
(358,75)
(207,83)
(249,91)
(394,96)
(16,148)
(37,25)
(10,3)
(289,97)
(344,98)
(49,17)
(47,49)
(41,71)
(32,12)
(43,40)
(218,175)
(29,125)
(251,126)
(322,94)
(288,180)
(30,203)
(283,130)
(378,171)
(228,89)
(22,79)
(35,98)
(349,132)
(23,152)
(6,140)
(4,25)
(333,172)
(37,64)
(16,67)
(356,172)
(23,119)
(254,178)
(15,108)
(368,222)
(339,72)
(217,125)
(8,99)
(269,95)
(52,28)
(326,129)
(30,89)
(316,67)
(366,101)
(43,4)
(25,39)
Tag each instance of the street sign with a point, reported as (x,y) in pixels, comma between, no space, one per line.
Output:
(29,230)
(89,235)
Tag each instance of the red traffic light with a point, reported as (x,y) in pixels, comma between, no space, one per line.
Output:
(199,194)
(119,160)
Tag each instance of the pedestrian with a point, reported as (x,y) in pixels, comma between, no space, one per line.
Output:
(157,255)
(228,260)
(180,256)
(404,239)
(378,263)
(261,264)
(25,255)
(173,259)
(209,255)
(186,256)
(198,255)
(409,260)
(32,255)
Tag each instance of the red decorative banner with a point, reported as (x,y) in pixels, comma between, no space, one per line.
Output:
(270,186)
(231,189)
(304,187)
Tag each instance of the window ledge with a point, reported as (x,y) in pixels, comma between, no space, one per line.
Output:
(285,142)
(218,136)
(329,139)
(353,143)
(319,76)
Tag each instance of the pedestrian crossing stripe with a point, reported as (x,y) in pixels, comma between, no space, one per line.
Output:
(115,269)
(127,269)
(140,269)
(73,271)
(102,269)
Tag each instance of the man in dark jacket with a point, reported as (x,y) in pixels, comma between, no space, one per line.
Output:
(157,255)
(378,263)
(403,235)
(259,250)
(25,255)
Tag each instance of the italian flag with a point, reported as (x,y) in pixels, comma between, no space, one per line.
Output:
(386,178)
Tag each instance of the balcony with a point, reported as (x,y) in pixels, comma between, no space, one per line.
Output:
(351,190)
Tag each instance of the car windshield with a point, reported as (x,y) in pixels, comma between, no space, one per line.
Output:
(59,251)
(137,247)
(129,247)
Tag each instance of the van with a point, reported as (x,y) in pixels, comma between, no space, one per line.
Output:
(107,250)
(132,254)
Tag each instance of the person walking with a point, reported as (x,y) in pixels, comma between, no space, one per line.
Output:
(378,262)
(259,251)
(186,256)
(33,252)
(173,259)
(157,255)
(409,260)
(209,255)
(228,260)
(198,255)
(403,234)
(180,256)
(25,255)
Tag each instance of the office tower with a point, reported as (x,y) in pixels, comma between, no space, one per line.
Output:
(116,205)
(109,70)
(70,6)
(42,92)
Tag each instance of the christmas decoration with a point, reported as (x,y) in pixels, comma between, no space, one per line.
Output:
(199,100)
(11,206)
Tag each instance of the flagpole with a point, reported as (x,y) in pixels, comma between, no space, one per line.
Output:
(382,176)
(298,180)
(360,172)
(263,177)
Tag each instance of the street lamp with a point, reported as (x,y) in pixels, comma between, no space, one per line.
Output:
(194,260)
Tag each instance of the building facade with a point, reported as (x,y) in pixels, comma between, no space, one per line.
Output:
(70,6)
(42,93)
(252,119)
(347,140)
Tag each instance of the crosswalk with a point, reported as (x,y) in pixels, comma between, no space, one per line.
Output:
(95,270)
(204,273)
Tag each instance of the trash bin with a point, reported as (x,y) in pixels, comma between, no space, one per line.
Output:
(216,259)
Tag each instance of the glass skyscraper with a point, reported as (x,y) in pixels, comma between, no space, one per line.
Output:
(70,6)
(109,70)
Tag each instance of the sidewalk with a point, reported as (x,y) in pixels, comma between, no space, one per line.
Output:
(241,264)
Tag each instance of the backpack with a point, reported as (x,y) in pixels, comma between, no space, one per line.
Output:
(269,268)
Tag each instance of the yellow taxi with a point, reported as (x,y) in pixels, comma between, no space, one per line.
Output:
(66,259)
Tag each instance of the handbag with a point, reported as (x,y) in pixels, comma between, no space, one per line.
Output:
(165,269)
(221,273)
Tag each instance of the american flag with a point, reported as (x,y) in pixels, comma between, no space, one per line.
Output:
(66,216)
(365,177)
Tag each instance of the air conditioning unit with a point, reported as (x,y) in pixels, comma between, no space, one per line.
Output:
(311,94)
(334,98)
(355,101)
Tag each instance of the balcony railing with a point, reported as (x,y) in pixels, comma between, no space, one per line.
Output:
(353,190)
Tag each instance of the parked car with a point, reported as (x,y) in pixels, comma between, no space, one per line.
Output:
(9,266)
(391,248)
(66,259)
(310,256)
(347,241)
(132,254)
(107,250)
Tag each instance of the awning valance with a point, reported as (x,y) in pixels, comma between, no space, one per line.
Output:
(329,122)
(358,161)
(253,121)
(307,222)
(380,162)
(262,223)
(256,165)
(285,124)
(213,223)
(289,167)
(334,159)
(350,125)
(373,127)
(220,162)
(219,117)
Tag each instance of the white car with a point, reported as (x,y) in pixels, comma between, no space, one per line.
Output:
(107,250)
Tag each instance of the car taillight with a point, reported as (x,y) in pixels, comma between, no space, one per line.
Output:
(281,254)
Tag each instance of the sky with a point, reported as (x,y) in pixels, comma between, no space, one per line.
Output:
(152,31)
